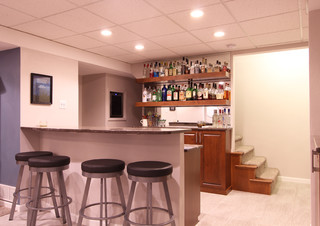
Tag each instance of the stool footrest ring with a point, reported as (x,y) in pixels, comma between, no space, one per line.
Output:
(15,194)
(142,208)
(48,208)
(101,218)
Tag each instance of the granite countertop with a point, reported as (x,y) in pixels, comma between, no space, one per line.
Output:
(114,130)
(193,126)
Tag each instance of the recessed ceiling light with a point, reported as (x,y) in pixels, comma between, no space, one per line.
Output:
(196,13)
(218,34)
(139,47)
(106,32)
(231,46)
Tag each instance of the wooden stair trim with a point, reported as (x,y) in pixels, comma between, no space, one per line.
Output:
(247,166)
(268,181)
(237,153)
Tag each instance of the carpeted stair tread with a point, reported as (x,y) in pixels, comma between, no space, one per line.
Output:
(238,138)
(256,160)
(244,148)
(269,173)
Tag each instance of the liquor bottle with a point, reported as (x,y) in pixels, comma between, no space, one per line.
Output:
(181,94)
(213,91)
(187,69)
(179,68)
(149,94)
(144,95)
(191,68)
(151,71)
(206,65)
(176,94)
(189,91)
(164,93)
(161,70)
(194,92)
(216,67)
(205,92)
(225,66)
(229,118)
(203,66)
(227,92)
(170,69)
(196,68)
(156,70)
(183,66)
(224,118)
(220,92)
(215,118)
(209,69)
(200,92)
(209,91)
(174,69)
(200,66)
(154,95)
(166,69)
(159,94)
(220,119)
(144,71)
(169,93)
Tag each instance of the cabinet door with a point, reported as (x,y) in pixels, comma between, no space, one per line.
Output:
(213,158)
(190,138)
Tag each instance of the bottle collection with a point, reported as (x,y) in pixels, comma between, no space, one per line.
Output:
(174,68)
(192,91)
(221,118)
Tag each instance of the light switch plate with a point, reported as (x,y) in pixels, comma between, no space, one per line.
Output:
(63,104)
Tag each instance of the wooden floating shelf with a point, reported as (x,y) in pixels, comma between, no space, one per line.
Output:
(184,103)
(210,75)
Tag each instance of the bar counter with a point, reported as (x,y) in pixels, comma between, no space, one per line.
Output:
(126,143)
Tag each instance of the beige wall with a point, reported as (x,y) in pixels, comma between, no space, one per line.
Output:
(272,108)
(65,87)
(95,102)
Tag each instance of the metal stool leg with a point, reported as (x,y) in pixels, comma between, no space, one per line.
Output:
(170,210)
(54,201)
(121,194)
(105,199)
(129,205)
(14,203)
(101,200)
(35,199)
(64,197)
(149,203)
(84,200)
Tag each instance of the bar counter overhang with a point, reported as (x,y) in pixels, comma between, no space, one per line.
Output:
(126,143)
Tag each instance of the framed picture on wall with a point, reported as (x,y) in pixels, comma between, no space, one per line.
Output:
(41,89)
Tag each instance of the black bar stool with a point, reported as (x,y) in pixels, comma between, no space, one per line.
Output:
(103,169)
(22,160)
(149,172)
(42,165)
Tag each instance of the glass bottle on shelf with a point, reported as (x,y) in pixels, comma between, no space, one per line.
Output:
(182,94)
(209,91)
(205,92)
(144,71)
(156,70)
(174,69)
(216,67)
(161,69)
(224,117)
(200,92)
(229,118)
(183,66)
(151,71)
(170,69)
(166,69)
(194,92)
(227,92)
(169,93)
(164,93)
(197,68)
(213,91)
(220,119)
(187,69)
(191,68)
(176,94)
(215,118)
(209,69)
(144,94)
(154,95)
(203,66)
(159,94)
(189,91)
(179,68)
(149,94)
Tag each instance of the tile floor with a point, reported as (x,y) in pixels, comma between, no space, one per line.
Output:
(289,205)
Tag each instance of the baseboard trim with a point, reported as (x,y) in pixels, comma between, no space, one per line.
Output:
(294,180)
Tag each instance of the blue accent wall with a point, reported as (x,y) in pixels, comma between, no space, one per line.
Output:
(9,115)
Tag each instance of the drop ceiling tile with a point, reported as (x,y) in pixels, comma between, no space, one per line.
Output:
(10,17)
(251,9)
(83,2)
(129,46)
(213,16)
(80,41)
(231,44)
(173,40)
(131,58)
(154,27)
(44,29)
(169,6)
(159,54)
(230,30)
(119,35)
(277,38)
(79,20)
(109,51)
(281,22)
(39,8)
(197,49)
(123,11)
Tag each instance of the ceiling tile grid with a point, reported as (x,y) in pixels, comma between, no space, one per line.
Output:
(164,27)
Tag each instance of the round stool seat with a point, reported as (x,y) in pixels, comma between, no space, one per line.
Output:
(24,156)
(49,161)
(102,166)
(149,169)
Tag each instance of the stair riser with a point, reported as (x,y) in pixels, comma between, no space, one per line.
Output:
(260,169)
(247,156)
